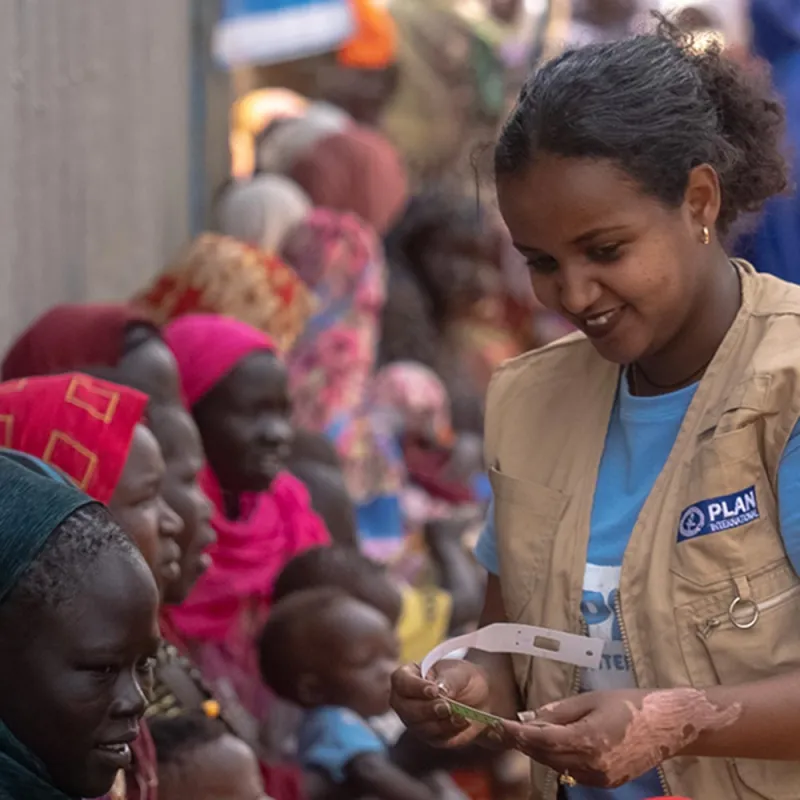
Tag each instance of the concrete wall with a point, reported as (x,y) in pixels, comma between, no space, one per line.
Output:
(95,99)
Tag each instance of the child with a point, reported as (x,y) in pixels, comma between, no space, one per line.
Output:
(198,759)
(334,656)
(423,616)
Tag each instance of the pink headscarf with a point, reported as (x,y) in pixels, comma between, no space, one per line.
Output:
(230,601)
(208,346)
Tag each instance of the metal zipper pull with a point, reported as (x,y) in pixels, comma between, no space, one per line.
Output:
(705,629)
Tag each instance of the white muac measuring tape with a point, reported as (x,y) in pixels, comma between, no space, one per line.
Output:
(524,640)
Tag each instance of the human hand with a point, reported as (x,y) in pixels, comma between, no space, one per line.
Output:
(420,702)
(606,739)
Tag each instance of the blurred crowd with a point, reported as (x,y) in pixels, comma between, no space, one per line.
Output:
(287,421)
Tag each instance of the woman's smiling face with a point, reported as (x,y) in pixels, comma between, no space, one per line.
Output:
(619,264)
(74,691)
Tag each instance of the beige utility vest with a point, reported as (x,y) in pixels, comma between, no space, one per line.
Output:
(696,610)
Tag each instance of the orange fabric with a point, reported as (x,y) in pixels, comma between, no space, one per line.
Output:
(221,275)
(80,425)
(374,45)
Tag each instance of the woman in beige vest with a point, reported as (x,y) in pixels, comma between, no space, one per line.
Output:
(646,470)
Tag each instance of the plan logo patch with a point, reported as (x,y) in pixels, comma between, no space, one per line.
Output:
(719,514)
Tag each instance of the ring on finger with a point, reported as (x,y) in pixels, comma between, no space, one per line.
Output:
(565,779)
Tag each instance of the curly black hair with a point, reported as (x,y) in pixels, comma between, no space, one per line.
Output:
(657,106)
(176,738)
(344,568)
(285,642)
(54,577)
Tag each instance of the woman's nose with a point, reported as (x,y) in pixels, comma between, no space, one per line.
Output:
(130,701)
(170,525)
(578,291)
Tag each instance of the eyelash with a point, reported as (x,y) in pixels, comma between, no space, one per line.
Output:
(606,254)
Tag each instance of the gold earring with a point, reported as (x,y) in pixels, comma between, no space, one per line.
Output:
(706,237)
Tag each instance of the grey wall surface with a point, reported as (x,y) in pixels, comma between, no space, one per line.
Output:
(95,100)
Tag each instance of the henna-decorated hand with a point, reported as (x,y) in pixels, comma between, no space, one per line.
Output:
(606,739)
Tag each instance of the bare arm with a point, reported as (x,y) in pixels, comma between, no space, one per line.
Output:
(768,726)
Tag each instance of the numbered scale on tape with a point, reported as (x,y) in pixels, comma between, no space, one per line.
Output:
(525,640)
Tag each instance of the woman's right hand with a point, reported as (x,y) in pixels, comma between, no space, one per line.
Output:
(421,703)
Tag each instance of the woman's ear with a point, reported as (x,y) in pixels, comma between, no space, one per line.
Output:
(703,196)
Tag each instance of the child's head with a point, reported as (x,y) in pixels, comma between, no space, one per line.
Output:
(198,759)
(322,647)
(343,568)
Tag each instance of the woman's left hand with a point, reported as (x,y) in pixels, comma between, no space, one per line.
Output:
(606,739)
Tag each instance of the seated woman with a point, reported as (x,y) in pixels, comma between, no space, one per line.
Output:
(70,583)
(332,365)
(93,432)
(236,387)
(72,337)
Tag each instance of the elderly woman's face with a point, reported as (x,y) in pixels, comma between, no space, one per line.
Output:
(74,690)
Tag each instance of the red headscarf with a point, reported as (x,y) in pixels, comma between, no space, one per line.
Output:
(356,170)
(81,425)
(277,525)
(69,337)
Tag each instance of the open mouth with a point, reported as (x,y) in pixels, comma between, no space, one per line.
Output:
(599,325)
(117,754)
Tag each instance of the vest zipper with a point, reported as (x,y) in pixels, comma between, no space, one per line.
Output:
(574,688)
(626,648)
(743,603)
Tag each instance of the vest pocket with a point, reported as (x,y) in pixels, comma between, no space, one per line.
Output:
(772,780)
(748,632)
(526,519)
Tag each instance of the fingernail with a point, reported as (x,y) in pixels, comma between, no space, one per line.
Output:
(442,710)
(527,716)
(432,692)
(494,737)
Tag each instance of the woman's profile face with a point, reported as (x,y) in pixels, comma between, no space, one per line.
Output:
(620,265)
(245,426)
(183,454)
(140,510)
(74,691)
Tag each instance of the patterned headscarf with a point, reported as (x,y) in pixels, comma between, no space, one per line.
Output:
(81,425)
(357,170)
(220,275)
(262,211)
(418,399)
(332,363)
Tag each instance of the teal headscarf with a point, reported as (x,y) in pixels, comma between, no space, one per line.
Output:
(34,501)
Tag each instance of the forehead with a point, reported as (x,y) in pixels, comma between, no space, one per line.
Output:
(353,621)
(115,606)
(555,200)
(259,374)
(144,458)
(176,432)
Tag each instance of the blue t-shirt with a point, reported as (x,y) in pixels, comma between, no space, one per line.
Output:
(640,436)
(331,737)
